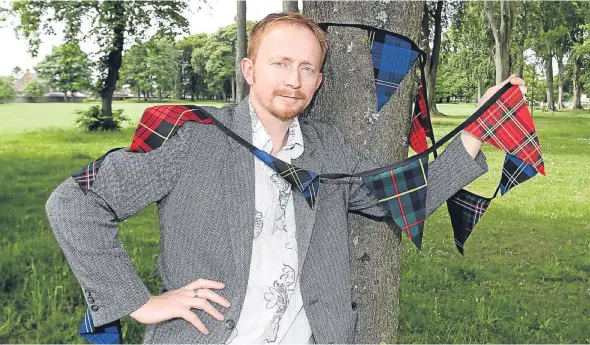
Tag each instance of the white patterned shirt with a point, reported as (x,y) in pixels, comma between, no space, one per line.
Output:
(273,308)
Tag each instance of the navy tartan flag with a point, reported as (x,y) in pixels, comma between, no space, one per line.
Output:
(403,188)
(465,209)
(307,182)
(392,54)
(514,172)
(106,334)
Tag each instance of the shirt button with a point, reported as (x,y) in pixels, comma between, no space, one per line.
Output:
(94,307)
(230,324)
(90,300)
(353,305)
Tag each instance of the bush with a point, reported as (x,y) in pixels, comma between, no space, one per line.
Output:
(34,90)
(91,119)
(7,93)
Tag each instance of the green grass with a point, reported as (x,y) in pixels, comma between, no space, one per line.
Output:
(524,277)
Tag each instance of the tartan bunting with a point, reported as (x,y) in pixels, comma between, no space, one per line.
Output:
(514,172)
(507,124)
(465,209)
(404,188)
(504,123)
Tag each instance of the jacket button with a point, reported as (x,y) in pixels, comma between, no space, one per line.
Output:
(94,307)
(230,324)
(353,305)
(90,300)
(88,293)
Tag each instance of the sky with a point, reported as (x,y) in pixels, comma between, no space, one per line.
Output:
(217,13)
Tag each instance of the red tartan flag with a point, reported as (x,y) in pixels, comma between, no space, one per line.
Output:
(508,125)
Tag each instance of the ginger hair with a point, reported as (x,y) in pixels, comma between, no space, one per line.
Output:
(276,19)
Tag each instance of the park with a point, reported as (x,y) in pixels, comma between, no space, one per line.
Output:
(525,274)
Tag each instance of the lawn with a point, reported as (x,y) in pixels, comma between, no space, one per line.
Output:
(524,277)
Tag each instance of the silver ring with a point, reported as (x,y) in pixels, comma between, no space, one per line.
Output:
(196,293)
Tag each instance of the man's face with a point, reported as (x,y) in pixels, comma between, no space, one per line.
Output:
(286,71)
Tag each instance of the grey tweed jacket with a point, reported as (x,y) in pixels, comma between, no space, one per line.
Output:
(203,184)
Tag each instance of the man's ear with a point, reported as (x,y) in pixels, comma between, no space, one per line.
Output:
(248,70)
(320,77)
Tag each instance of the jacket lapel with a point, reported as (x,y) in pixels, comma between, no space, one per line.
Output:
(238,179)
(304,214)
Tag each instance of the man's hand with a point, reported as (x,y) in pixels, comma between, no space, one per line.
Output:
(177,303)
(473,144)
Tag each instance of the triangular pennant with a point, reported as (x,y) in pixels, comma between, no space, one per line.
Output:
(159,123)
(306,182)
(514,172)
(465,209)
(87,174)
(393,56)
(106,334)
(507,124)
(420,126)
(404,190)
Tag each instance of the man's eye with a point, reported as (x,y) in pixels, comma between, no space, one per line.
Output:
(280,63)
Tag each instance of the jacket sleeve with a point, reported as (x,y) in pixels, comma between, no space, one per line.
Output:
(451,171)
(85,225)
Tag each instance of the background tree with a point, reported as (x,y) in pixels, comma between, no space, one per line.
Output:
(290,6)
(191,77)
(34,90)
(163,62)
(375,247)
(7,93)
(66,68)
(110,24)
(436,16)
(16,71)
(467,49)
(501,18)
(135,70)
(241,50)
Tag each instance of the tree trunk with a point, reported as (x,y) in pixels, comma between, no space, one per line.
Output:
(159,94)
(549,78)
(138,94)
(241,45)
(502,30)
(576,81)
(560,85)
(374,246)
(233,89)
(113,59)
(478,89)
(290,6)
(432,56)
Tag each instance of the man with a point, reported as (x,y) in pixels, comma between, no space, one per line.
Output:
(243,257)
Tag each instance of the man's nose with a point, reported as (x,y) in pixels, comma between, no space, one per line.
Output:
(294,78)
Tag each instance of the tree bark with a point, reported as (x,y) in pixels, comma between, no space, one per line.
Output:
(233,89)
(549,78)
(113,59)
(576,83)
(502,30)
(291,6)
(347,99)
(241,45)
(560,82)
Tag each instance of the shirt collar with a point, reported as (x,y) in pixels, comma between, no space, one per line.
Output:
(262,140)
